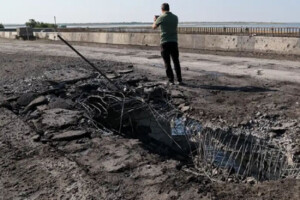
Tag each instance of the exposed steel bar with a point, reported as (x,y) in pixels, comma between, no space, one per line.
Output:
(87,61)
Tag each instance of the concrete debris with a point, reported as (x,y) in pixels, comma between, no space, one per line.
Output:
(36,138)
(281,128)
(176,94)
(148,90)
(61,103)
(113,76)
(181,105)
(26,98)
(155,93)
(12,98)
(152,84)
(134,81)
(70,135)
(37,126)
(258,114)
(245,122)
(178,101)
(185,108)
(272,135)
(59,118)
(125,71)
(289,124)
(38,101)
(230,180)
(42,108)
(278,130)
(251,180)
(34,115)
(114,166)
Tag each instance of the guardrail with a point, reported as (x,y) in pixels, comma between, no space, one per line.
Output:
(249,31)
(144,29)
(246,31)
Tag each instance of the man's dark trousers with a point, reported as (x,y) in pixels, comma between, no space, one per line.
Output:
(168,50)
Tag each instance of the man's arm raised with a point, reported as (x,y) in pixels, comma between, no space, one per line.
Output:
(157,22)
(154,26)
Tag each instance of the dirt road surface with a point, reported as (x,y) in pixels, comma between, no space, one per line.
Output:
(220,91)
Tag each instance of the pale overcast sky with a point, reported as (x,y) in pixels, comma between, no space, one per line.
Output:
(83,11)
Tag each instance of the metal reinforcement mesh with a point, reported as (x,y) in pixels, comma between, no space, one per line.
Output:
(242,155)
(214,152)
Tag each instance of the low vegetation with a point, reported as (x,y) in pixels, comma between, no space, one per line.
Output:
(35,24)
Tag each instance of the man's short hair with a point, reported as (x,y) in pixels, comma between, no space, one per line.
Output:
(165,7)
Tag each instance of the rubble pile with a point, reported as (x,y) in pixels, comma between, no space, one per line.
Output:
(64,104)
(73,105)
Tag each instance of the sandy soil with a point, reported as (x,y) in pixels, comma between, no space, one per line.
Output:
(222,91)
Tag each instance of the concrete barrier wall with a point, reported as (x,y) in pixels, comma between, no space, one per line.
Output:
(8,35)
(280,45)
(150,39)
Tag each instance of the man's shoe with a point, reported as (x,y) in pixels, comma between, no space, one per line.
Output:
(169,83)
(180,83)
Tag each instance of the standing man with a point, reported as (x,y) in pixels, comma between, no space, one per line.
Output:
(169,41)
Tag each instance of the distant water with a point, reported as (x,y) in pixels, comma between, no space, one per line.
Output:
(186,24)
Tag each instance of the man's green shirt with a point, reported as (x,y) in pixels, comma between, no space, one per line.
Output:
(168,23)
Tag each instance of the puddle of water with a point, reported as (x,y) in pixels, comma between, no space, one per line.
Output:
(184,126)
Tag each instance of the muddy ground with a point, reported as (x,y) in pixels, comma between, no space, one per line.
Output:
(109,166)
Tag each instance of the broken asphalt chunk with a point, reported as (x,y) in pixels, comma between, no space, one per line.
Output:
(61,103)
(58,118)
(38,101)
(87,87)
(112,76)
(70,135)
(176,94)
(36,138)
(26,98)
(125,71)
(156,93)
(185,108)
(278,131)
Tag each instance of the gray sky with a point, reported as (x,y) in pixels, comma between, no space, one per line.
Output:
(82,11)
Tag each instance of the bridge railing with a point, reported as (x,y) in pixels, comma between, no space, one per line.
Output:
(246,31)
(249,31)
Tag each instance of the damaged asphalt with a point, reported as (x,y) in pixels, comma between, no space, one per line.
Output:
(50,148)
